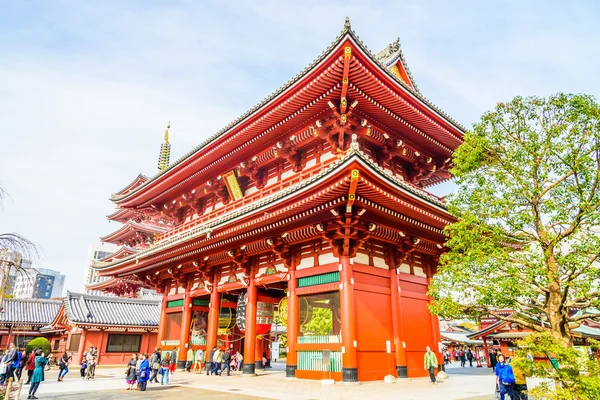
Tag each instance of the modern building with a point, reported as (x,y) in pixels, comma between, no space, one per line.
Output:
(315,201)
(38,283)
(10,263)
(96,252)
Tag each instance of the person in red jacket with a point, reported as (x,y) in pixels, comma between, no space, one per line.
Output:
(30,366)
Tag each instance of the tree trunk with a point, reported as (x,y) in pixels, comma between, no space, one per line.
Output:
(557,317)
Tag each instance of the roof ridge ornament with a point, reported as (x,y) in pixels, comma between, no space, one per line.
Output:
(165,150)
(347,24)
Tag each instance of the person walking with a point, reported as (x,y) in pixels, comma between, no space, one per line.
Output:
(463,358)
(264,361)
(239,358)
(92,360)
(63,364)
(9,360)
(30,366)
(190,360)
(165,369)
(173,361)
(144,374)
(226,357)
(38,374)
(216,362)
(504,378)
(210,361)
(83,365)
(131,377)
(431,364)
(198,357)
(18,365)
(155,364)
(470,358)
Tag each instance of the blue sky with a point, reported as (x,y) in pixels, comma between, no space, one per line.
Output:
(86,87)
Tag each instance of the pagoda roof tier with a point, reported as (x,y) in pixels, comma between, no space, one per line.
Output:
(122,252)
(131,230)
(122,215)
(138,181)
(384,194)
(126,286)
(381,94)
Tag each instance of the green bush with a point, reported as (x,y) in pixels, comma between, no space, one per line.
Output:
(39,343)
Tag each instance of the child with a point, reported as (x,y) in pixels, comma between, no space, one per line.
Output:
(83,366)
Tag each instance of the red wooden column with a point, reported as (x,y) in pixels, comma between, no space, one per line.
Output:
(186,319)
(400,351)
(293,322)
(100,344)
(349,361)
(250,334)
(213,319)
(81,345)
(162,325)
(486,352)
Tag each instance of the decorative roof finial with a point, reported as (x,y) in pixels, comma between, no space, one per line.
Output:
(165,150)
(347,24)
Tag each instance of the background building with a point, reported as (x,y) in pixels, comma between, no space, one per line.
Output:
(96,252)
(38,283)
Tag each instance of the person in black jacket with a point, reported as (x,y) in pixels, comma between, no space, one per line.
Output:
(155,362)
(226,361)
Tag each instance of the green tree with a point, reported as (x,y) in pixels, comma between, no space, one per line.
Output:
(321,322)
(568,373)
(527,205)
(38,343)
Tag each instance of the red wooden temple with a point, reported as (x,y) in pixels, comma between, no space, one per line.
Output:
(317,197)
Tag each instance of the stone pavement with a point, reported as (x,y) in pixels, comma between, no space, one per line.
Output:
(473,384)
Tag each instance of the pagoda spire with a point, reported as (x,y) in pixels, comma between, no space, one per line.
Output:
(165,150)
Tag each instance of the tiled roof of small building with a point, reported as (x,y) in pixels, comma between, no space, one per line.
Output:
(28,311)
(102,310)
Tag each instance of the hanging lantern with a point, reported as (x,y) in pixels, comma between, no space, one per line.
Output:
(227,318)
(305,310)
(264,315)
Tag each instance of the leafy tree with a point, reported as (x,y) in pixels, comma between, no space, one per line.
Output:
(568,373)
(38,343)
(527,204)
(321,322)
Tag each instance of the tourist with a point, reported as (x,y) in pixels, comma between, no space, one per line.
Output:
(520,385)
(504,378)
(63,364)
(138,363)
(455,353)
(190,359)
(210,361)
(431,364)
(463,358)
(30,366)
(493,360)
(470,358)
(216,362)
(38,374)
(12,355)
(92,360)
(155,364)
(3,367)
(239,358)
(50,356)
(173,361)
(144,374)
(83,366)
(198,357)
(18,365)
(165,368)
(226,357)
(264,361)
(131,377)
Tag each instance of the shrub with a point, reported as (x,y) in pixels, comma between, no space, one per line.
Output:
(39,343)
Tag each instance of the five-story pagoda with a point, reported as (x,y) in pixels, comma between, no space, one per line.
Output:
(316,200)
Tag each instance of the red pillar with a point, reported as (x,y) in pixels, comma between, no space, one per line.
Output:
(486,353)
(293,324)
(100,343)
(400,351)
(162,325)
(186,319)
(213,317)
(250,335)
(81,346)
(349,361)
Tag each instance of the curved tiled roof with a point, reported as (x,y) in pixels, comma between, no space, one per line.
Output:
(103,310)
(28,311)
(346,32)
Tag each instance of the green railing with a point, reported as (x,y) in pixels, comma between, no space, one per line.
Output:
(320,339)
(313,361)
(199,341)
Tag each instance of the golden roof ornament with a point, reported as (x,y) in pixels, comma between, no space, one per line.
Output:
(165,150)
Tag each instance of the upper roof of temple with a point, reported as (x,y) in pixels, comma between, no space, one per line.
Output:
(382,82)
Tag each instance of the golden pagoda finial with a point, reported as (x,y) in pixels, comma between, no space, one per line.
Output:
(165,150)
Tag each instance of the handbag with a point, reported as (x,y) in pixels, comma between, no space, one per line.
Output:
(127,371)
(156,365)
(2,368)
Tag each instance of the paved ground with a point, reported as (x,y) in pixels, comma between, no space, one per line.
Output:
(462,384)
